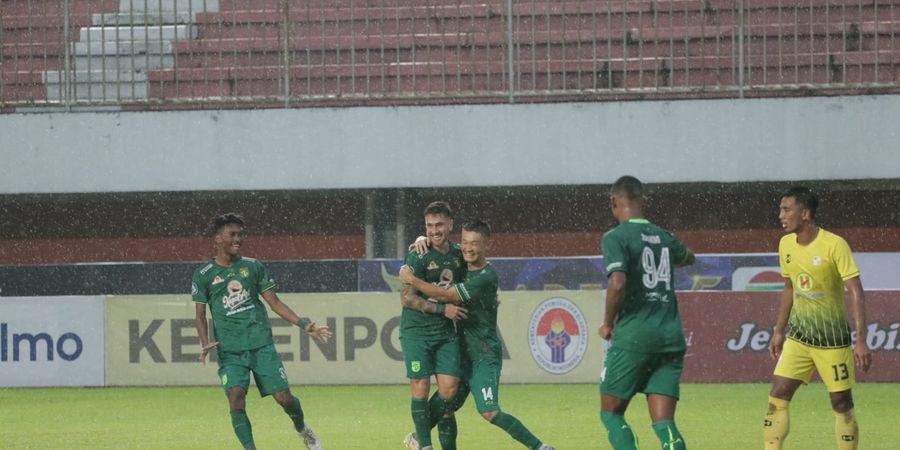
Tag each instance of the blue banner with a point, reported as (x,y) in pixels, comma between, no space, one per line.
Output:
(708,273)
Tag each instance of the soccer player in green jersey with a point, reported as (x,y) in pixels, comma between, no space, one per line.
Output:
(812,330)
(641,319)
(481,345)
(427,334)
(231,286)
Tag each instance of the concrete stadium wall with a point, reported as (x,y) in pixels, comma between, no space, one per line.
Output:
(815,138)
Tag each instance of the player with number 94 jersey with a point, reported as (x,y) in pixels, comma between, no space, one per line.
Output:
(649,320)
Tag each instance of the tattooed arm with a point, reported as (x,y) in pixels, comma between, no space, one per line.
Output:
(410,298)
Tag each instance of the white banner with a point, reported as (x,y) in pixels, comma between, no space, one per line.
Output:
(52,341)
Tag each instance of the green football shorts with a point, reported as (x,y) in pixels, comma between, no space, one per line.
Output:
(625,373)
(264,362)
(484,381)
(426,357)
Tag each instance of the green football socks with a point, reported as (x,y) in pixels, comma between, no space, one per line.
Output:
(516,429)
(241,424)
(422,421)
(669,435)
(447,432)
(295,412)
(439,407)
(621,436)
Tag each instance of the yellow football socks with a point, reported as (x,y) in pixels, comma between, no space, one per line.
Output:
(777,423)
(847,430)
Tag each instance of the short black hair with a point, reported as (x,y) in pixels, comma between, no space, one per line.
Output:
(439,208)
(805,197)
(629,187)
(478,226)
(222,220)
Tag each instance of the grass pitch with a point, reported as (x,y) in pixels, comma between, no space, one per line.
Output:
(711,417)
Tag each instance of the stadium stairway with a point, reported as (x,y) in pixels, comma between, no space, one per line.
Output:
(32,41)
(132,50)
(112,55)
(460,48)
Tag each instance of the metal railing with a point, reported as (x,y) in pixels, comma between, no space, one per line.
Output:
(200,53)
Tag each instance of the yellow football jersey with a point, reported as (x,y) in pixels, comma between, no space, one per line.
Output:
(817,272)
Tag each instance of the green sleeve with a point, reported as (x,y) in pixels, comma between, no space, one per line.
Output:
(482,284)
(264,281)
(416,263)
(614,255)
(199,293)
(679,250)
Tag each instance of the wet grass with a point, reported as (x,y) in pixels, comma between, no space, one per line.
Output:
(713,417)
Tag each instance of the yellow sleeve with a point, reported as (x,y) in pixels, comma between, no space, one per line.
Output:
(782,250)
(843,260)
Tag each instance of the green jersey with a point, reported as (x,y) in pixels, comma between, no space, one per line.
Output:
(240,319)
(442,269)
(649,320)
(478,294)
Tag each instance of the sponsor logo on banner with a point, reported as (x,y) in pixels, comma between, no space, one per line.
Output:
(757,279)
(557,335)
(752,336)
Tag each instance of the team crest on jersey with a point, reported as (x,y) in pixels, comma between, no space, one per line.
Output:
(245,272)
(817,260)
(557,335)
(432,266)
(804,282)
(217,280)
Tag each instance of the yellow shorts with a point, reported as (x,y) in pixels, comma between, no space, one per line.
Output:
(835,365)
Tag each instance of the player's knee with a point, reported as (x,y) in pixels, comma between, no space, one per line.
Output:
(420,388)
(448,393)
(237,398)
(782,391)
(489,416)
(841,402)
(284,398)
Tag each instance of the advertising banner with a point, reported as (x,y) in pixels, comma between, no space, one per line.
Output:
(51,341)
(728,335)
(548,337)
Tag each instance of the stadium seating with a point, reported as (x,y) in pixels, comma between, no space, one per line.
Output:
(233,49)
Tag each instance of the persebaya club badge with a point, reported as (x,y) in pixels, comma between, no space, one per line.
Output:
(415,366)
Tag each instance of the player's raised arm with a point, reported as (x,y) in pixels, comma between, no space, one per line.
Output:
(442,295)
(784,313)
(322,334)
(861,353)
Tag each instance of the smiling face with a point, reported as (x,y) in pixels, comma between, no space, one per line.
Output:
(229,240)
(474,248)
(438,228)
(793,216)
